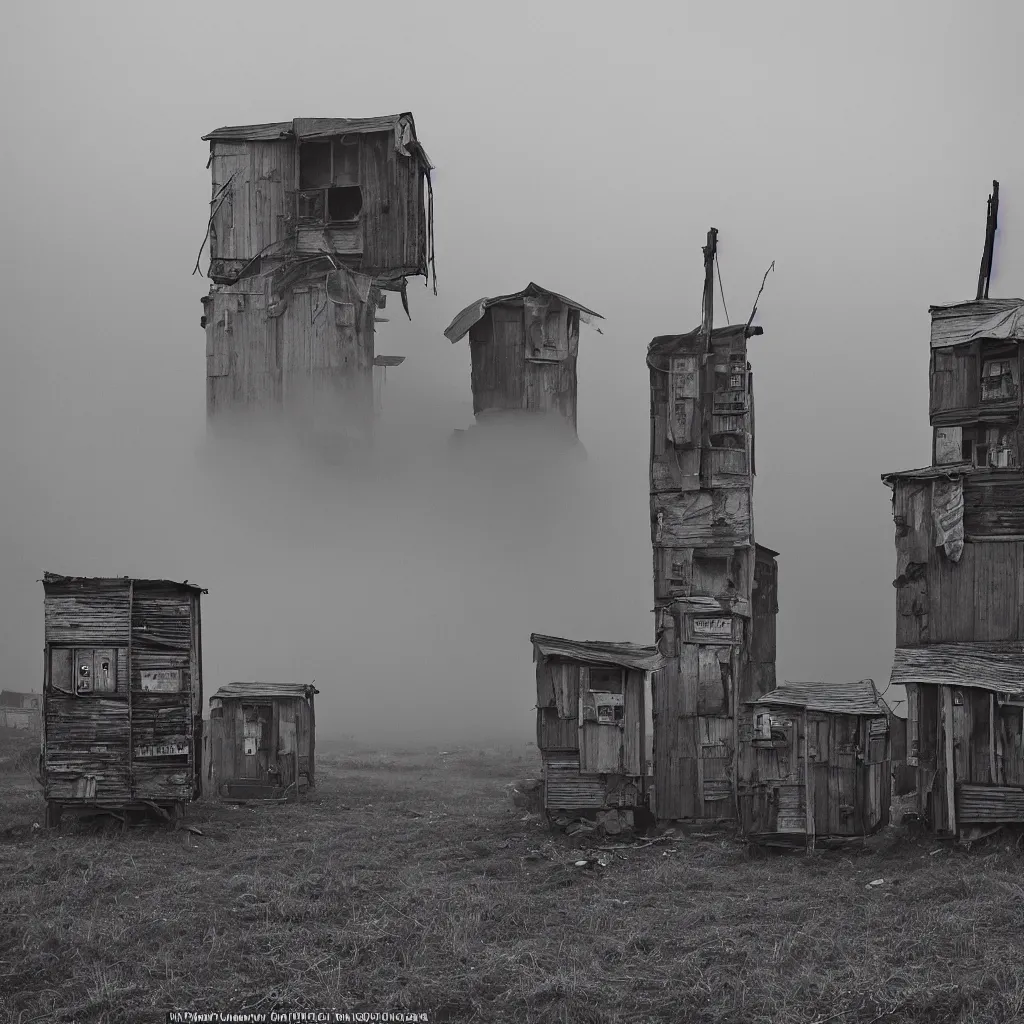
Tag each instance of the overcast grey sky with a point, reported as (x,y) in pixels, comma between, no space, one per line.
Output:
(586,146)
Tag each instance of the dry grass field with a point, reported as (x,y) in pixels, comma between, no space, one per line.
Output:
(408,881)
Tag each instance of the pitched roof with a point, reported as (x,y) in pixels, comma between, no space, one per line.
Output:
(996,666)
(255,689)
(860,698)
(84,582)
(631,656)
(322,128)
(667,343)
(961,322)
(475,311)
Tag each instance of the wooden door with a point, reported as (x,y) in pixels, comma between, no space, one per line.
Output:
(257,743)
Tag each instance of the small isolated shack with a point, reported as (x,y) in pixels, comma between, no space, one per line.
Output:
(815,763)
(262,738)
(594,727)
(20,710)
(122,694)
(523,351)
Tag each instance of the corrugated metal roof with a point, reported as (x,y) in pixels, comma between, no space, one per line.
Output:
(631,656)
(860,698)
(53,578)
(255,689)
(474,312)
(998,667)
(961,322)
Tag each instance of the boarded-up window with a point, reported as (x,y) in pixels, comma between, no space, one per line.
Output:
(62,669)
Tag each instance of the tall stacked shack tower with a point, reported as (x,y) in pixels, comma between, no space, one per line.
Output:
(715,590)
(312,221)
(960,569)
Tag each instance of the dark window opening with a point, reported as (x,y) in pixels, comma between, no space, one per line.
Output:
(346,162)
(997,380)
(606,680)
(315,165)
(344,203)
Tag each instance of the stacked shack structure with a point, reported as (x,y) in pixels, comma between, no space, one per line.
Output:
(122,695)
(263,740)
(715,589)
(523,352)
(594,727)
(815,758)
(312,221)
(960,570)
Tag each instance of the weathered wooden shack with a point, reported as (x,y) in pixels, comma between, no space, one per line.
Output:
(21,711)
(523,352)
(122,694)
(960,569)
(815,763)
(312,221)
(263,740)
(715,589)
(594,726)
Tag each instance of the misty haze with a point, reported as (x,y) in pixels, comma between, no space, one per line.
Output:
(575,713)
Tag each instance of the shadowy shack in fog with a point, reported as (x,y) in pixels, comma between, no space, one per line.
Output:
(594,727)
(523,352)
(262,740)
(312,221)
(122,694)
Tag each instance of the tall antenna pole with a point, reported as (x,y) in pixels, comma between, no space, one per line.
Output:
(708,304)
(991,221)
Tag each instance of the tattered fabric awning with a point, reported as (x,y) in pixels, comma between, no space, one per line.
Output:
(995,666)
(978,320)
(595,652)
(859,698)
(475,311)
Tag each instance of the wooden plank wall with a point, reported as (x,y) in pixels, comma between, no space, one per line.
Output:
(314,360)
(258,211)
(703,547)
(979,598)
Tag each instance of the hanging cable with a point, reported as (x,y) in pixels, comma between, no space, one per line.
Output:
(721,291)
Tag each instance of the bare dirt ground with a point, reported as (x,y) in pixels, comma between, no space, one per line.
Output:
(407,880)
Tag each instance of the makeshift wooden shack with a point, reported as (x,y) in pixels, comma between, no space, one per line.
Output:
(312,221)
(814,763)
(523,351)
(122,694)
(594,726)
(715,589)
(263,740)
(960,569)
